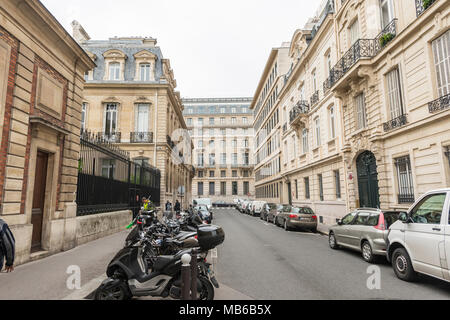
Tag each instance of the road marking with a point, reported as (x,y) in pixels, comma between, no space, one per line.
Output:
(87,289)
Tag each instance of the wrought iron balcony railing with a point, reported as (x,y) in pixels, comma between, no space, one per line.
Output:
(285,127)
(395,123)
(301,108)
(423,5)
(363,48)
(315,98)
(326,86)
(114,137)
(439,104)
(141,137)
(170,142)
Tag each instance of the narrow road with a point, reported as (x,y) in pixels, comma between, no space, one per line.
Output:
(265,262)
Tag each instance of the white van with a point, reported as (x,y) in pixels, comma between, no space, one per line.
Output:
(257,207)
(204,201)
(419,242)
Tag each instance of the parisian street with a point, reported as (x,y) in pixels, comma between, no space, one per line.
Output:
(265,262)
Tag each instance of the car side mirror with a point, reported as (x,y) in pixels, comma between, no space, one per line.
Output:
(339,222)
(403,217)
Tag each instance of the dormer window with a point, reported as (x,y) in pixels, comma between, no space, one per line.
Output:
(145,71)
(114,71)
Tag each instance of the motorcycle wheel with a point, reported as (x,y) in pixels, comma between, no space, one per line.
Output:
(119,292)
(206,292)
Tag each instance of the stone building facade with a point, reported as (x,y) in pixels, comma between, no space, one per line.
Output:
(130,100)
(41,84)
(366,106)
(222,134)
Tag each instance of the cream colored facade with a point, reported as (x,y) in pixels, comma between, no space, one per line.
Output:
(222,134)
(366,107)
(41,84)
(130,100)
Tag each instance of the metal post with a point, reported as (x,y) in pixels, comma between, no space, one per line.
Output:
(185,277)
(194,270)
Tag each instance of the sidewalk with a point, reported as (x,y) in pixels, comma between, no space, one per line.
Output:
(47,279)
(323,229)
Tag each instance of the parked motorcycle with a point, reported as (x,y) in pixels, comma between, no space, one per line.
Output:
(129,273)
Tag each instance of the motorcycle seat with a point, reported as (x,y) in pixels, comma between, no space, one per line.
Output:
(161,262)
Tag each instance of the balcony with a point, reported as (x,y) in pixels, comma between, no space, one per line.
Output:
(141,137)
(362,49)
(110,137)
(315,98)
(299,113)
(439,104)
(423,5)
(170,142)
(326,86)
(395,123)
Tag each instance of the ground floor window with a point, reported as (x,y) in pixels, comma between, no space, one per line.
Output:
(320,187)
(337,178)
(235,188)
(200,188)
(404,180)
(212,188)
(246,188)
(223,188)
(307,194)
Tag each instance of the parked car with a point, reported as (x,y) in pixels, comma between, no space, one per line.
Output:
(274,210)
(204,213)
(266,210)
(297,217)
(364,230)
(248,206)
(257,208)
(420,241)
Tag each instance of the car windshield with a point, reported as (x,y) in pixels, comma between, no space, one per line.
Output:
(302,210)
(287,208)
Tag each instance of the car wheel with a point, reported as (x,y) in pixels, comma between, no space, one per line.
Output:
(332,241)
(402,265)
(367,253)
(286,227)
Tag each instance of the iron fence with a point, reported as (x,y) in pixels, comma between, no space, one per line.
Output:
(395,123)
(439,104)
(141,137)
(109,181)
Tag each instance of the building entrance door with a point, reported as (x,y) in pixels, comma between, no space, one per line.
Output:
(37,215)
(369,196)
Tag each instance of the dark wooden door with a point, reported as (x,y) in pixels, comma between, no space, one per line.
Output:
(369,196)
(37,216)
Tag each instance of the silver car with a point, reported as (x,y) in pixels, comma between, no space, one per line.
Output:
(364,230)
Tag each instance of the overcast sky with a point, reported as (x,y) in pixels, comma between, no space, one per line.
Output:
(216,48)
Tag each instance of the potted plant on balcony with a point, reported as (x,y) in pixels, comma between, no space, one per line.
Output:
(386,38)
(426,4)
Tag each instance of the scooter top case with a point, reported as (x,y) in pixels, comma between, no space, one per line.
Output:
(210,236)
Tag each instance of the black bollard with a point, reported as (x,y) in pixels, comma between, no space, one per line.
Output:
(194,271)
(185,277)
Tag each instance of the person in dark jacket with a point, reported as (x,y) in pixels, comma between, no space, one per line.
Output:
(177,206)
(7,247)
(168,206)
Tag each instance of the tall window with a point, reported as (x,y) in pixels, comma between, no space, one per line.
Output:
(222,120)
(83,116)
(111,119)
(234,143)
(200,144)
(145,71)
(337,179)
(223,158)
(212,188)
(223,174)
(212,159)
(305,145)
(387,12)
(224,145)
(317,127)
(234,159)
(441,52)
(329,66)
(307,193)
(200,188)
(332,124)
(320,186)
(200,174)
(296,189)
(211,121)
(114,71)
(354,32)
(189,121)
(404,180)
(246,159)
(141,120)
(211,145)
(361,118)
(314,81)
(223,188)
(233,110)
(235,188)
(246,188)
(200,160)
(244,120)
(246,145)
(200,121)
(233,120)
(394,94)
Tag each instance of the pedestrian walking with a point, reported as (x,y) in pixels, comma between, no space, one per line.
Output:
(7,247)
(168,206)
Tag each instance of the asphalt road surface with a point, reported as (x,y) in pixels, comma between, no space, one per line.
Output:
(265,262)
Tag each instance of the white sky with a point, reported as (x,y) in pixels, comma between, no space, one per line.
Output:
(216,48)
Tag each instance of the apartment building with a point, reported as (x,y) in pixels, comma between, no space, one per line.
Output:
(130,100)
(365,107)
(267,125)
(312,166)
(222,134)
